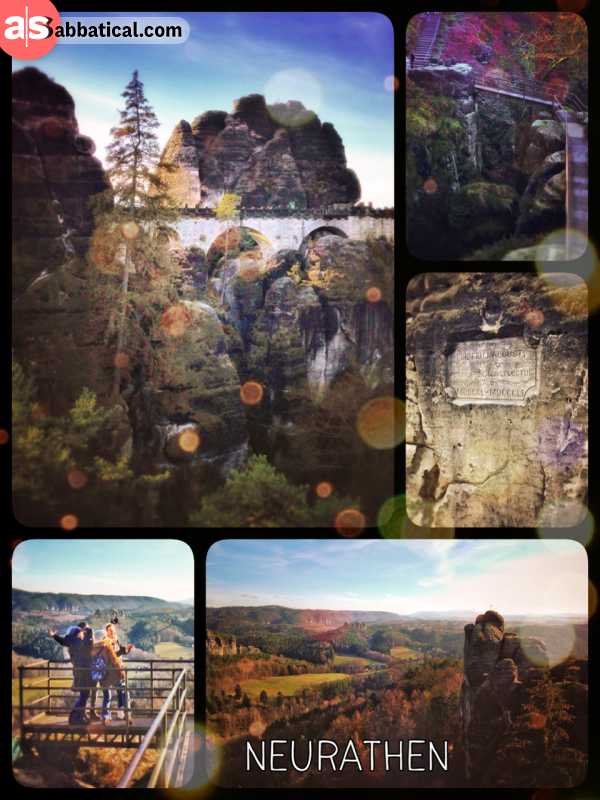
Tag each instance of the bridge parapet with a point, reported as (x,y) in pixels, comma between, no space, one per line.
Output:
(327,212)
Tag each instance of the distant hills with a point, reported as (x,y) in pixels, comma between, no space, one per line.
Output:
(226,616)
(25,601)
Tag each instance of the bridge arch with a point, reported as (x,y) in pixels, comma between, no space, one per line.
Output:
(317,232)
(236,240)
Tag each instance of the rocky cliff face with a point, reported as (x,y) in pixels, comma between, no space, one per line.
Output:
(507,698)
(272,156)
(218,644)
(485,460)
(498,167)
(55,174)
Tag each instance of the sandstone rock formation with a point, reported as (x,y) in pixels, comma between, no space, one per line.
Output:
(489,462)
(272,156)
(55,174)
(505,691)
(218,644)
(497,167)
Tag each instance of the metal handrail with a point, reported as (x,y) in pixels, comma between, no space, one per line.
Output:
(153,729)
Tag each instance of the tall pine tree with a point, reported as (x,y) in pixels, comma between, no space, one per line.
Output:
(132,234)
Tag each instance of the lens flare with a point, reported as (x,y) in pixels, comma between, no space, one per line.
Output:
(534,318)
(251,393)
(121,360)
(380,422)
(130,230)
(189,440)
(554,248)
(566,519)
(350,522)
(176,320)
(391,83)
(324,489)
(394,523)
(574,6)
(76,479)
(550,651)
(373,294)
(592,599)
(68,522)
(206,755)
(4,436)
(293,83)
(430,186)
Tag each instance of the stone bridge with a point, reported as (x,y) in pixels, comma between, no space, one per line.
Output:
(283,229)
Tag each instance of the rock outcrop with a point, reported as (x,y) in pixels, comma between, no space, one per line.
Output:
(485,461)
(218,644)
(481,168)
(55,175)
(506,711)
(272,156)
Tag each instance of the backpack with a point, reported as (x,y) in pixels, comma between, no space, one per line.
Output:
(99,667)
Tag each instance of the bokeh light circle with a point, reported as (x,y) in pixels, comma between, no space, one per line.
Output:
(569,519)
(350,522)
(592,599)
(68,522)
(548,651)
(373,294)
(394,523)
(130,230)
(391,83)
(324,489)
(251,393)
(4,436)
(76,479)
(430,186)
(289,85)
(380,422)
(121,360)
(189,440)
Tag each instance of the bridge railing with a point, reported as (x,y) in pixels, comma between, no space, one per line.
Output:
(147,685)
(527,88)
(169,723)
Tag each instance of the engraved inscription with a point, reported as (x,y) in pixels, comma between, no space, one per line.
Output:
(503,371)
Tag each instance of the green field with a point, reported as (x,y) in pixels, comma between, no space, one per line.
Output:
(288,684)
(34,694)
(172,650)
(404,652)
(361,661)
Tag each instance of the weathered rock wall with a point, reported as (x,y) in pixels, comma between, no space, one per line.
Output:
(518,456)
(508,685)
(275,156)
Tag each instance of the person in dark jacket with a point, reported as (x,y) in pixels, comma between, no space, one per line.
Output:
(79,641)
(412,60)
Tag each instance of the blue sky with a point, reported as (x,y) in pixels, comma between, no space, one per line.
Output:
(401,576)
(161,568)
(336,63)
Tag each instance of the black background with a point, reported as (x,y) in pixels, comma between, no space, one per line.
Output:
(407,266)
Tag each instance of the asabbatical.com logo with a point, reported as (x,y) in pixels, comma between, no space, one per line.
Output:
(27,29)
(30,31)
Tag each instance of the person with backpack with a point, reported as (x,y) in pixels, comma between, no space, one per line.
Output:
(79,641)
(108,670)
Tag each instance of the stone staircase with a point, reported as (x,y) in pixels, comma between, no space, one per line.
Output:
(426,41)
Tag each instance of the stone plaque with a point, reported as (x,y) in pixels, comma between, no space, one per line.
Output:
(494,371)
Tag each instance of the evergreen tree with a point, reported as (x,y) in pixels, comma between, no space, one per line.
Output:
(132,231)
